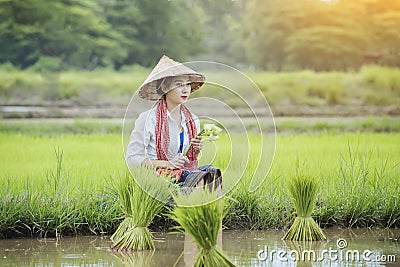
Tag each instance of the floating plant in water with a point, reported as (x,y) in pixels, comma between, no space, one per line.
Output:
(303,192)
(200,215)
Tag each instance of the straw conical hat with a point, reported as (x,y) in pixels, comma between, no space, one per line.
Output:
(167,67)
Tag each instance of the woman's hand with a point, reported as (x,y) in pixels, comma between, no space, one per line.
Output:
(197,144)
(177,163)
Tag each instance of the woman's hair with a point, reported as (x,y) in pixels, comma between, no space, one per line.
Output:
(165,81)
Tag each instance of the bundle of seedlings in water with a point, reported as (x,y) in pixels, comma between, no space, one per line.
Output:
(200,215)
(140,199)
(303,192)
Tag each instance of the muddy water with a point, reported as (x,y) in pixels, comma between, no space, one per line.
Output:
(358,247)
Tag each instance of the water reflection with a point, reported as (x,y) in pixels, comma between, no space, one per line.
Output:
(244,248)
(241,246)
(139,258)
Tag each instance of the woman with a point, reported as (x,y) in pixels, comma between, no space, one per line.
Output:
(162,134)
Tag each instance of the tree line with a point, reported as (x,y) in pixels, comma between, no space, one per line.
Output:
(260,34)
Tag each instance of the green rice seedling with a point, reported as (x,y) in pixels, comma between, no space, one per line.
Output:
(202,222)
(368,194)
(303,192)
(141,199)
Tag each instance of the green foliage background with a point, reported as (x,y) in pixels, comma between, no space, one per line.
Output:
(261,34)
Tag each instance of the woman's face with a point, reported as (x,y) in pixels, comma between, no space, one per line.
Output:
(179,90)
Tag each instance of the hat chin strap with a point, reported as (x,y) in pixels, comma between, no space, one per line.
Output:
(159,89)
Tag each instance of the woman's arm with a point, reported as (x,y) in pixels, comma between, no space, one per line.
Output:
(156,163)
(176,163)
(136,150)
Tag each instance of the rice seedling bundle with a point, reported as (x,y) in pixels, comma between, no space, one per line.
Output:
(141,199)
(303,192)
(202,222)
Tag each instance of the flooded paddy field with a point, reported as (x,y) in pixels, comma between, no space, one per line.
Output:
(344,247)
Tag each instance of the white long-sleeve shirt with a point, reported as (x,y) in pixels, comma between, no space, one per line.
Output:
(142,143)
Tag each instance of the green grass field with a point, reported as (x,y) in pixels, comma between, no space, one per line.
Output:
(44,195)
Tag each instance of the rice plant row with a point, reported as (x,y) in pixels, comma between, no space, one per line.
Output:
(72,193)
